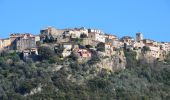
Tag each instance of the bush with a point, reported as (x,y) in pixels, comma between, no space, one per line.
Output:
(49,39)
(88,46)
(94,59)
(83,36)
(130,59)
(25,87)
(145,49)
(101,47)
(73,57)
(45,52)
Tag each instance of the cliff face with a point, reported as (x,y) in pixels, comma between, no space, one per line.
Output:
(112,63)
(148,56)
(106,64)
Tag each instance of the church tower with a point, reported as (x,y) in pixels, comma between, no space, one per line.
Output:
(139,37)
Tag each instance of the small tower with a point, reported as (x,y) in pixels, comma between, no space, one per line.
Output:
(139,37)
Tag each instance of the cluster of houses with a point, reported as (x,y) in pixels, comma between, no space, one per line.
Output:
(19,42)
(74,40)
(112,42)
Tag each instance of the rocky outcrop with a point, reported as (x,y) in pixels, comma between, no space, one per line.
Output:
(113,63)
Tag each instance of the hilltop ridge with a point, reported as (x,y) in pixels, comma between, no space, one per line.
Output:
(83,64)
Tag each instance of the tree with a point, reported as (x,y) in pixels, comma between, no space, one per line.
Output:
(101,47)
(73,56)
(49,39)
(83,36)
(88,46)
(94,59)
(145,49)
(125,46)
(45,52)
(59,50)
(25,87)
(131,59)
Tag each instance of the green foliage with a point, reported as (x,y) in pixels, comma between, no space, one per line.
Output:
(73,57)
(131,58)
(167,60)
(94,59)
(59,50)
(45,52)
(83,36)
(100,47)
(25,87)
(74,81)
(49,39)
(145,49)
(98,83)
(77,40)
(38,43)
(88,46)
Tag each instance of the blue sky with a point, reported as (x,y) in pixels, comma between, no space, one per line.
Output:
(119,17)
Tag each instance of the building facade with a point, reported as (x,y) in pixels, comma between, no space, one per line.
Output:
(139,37)
(25,43)
(5,44)
(99,37)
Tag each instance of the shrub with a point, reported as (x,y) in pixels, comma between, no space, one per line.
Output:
(88,46)
(83,36)
(145,49)
(73,57)
(45,52)
(101,47)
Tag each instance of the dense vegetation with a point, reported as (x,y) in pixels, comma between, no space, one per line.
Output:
(140,81)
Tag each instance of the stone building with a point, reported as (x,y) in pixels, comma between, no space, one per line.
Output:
(23,43)
(99,37)
(112,40)
(139,37)
(5,44)
(165,46)
(57,34)
(127,39)
(30,53)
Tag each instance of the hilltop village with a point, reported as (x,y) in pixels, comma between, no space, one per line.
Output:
(70,64)
(80,41)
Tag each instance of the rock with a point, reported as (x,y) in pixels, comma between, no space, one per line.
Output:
(113,63)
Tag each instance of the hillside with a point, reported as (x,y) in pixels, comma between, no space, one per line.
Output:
(53,78)
(83,64)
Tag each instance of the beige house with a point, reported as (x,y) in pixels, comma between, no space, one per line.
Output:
(100,37)
(112,37)
(127,39)
(165,46)
(155,51)
(5,43)
(37,38)
(82,30)
(138,45)
(76,32)
(149,42)
(68,48)
(112,40)
(117,44)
